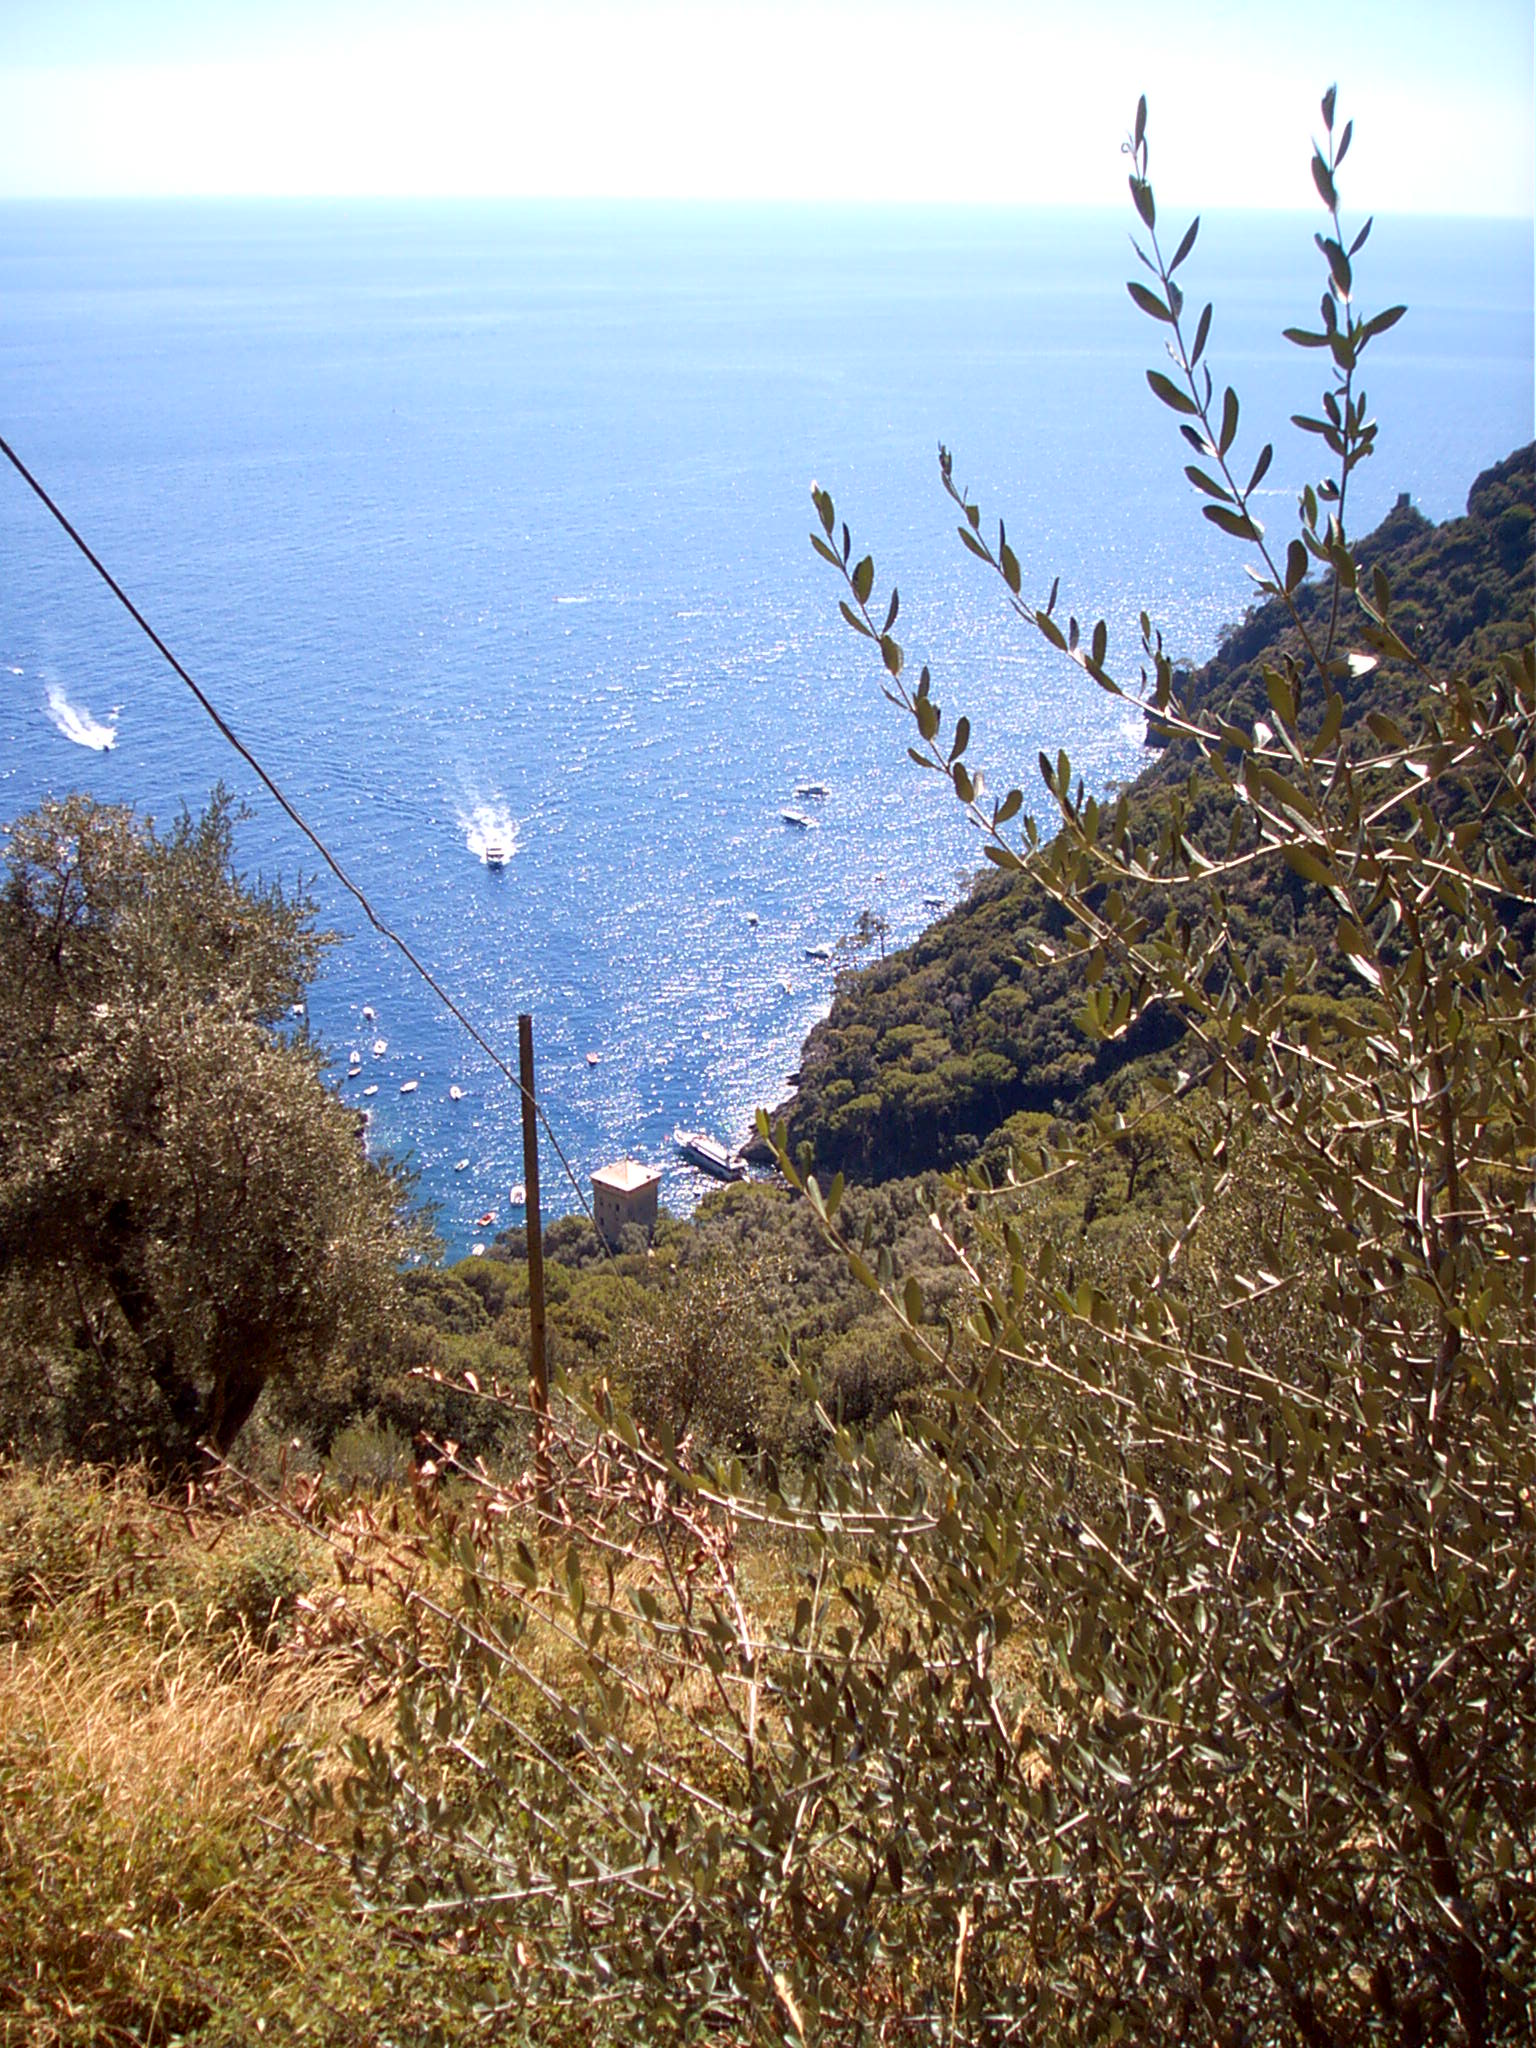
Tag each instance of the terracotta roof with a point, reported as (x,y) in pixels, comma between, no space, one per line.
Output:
(626,1176)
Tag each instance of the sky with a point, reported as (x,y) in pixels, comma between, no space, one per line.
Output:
(1009,101)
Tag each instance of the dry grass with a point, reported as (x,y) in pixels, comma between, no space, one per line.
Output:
(151,1888)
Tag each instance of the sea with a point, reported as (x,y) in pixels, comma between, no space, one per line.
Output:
(491,521)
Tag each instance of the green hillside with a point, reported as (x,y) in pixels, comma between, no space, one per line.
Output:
(928,1052)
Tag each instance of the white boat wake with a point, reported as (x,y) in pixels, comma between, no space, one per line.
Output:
(489,827)
(77,724)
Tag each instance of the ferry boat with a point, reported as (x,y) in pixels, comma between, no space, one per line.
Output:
(707,1152)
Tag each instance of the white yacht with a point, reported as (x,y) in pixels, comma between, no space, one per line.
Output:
(707,1152)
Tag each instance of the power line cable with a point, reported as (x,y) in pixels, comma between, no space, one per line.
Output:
(385,930)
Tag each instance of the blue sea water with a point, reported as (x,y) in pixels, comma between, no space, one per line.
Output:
(477,518)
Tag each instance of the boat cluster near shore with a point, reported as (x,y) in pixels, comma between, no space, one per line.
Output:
(700,1148)
(495,846)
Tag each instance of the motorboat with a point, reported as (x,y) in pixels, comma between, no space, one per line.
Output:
(798,819)
(372,1088)
(461,1166)
(455,1093)
(409,1087)
(703,1151)
(380,1047)
(517,1195)
(811,789)
(497,851)
(818,952)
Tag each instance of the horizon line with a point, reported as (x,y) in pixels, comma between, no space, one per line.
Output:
(736,202)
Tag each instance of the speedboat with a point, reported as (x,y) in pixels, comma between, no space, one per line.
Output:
(497,851)
(704,1151)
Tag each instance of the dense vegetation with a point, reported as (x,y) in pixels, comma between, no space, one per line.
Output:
(186,1211)
(926,1053)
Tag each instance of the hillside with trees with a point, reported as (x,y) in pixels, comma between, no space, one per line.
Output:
(926,1053)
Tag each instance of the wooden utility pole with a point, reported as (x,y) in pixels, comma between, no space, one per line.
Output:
(538,1367)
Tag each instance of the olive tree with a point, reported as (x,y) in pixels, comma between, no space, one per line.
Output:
(186,1210)
(1176,1680)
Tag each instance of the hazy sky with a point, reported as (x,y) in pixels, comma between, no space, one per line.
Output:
(1014,100)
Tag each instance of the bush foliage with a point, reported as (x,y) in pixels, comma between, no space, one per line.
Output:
(186,1211)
